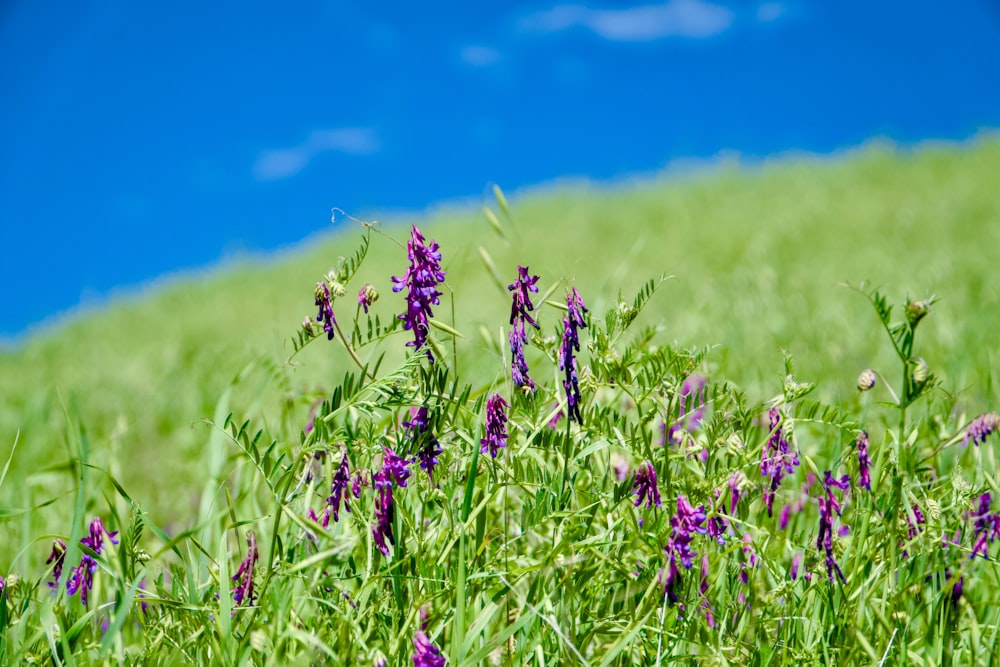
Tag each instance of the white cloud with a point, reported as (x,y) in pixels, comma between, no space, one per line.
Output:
(674,18)
(479,56)
(281,163)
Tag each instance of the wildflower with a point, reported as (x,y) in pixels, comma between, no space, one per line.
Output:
(341,478)
(703,589)
(619,465)
(800,504)
(913,520)
(81,577)
(866,380)
(750,561)
(57,558)
(518,366)
(567,359)
(384,512)
(3,585)
(981,428)
(243,593)
(357,483)
(684,523)
(420,280)
(777,459)
(425,654)
(864,463)
(427,446)
(367,296)
(692,390)
(985,528)
(521,305)
(828,506)
(324,301)
(496,425)
(394,469)
(645,486)
(796,563)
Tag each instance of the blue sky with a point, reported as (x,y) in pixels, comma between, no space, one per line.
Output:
(144,138)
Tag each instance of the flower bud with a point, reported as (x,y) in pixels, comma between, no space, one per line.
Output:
(367,296)
(916,310)
(866,380)
(920,370)
(307,326)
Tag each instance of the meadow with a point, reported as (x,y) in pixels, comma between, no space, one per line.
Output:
(722,360)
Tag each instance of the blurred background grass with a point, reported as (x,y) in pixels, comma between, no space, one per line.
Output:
(757,252)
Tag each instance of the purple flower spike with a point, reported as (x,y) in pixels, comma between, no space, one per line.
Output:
(425,654)
(829,508)
(243,593)
(796,563)
(777,459)
(384,512)
(324,301)
(95,540)
(426,445)
(687,521)
(981,428)
(567,353)
(985,528)
(57,559)
(420,280)
(521,305)
(496,426)
(864,463)
(518,366)
(81,577)
(645,486)
(394,470)
(691,410)
(338,491)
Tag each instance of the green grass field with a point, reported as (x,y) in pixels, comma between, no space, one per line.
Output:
(756,255)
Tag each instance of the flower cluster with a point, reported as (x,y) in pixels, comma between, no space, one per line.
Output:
(425,654)
(828,508)
(81,577)
(864,462)
(395,470)
(777,459)
(420,280)
(985,527)
(981,428)
(57,559)
(243,593)
(367,296)
(800,504)
(520,309)
(684,524)
(338,492)
(645,486)
(567,353)
(496,425)
(324,301)
(424,443)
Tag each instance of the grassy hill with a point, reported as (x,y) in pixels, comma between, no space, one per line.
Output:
(756,253)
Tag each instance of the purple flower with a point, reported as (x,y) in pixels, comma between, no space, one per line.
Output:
(619,465)
(426,445)
(341,479)
(829,508)
(777,458)
(81,577)
(394,469)
(645,486)
(864,463)
(521,305)
(425,654)
(518,366)
(985,527)
(703,589)
(384,512)
(324,301)
(367,296)
(57,558)
(981,428)
(913,522)
(796,563)
(243,593)
(420,280)
(496,426)
(567,353)
(684,524)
